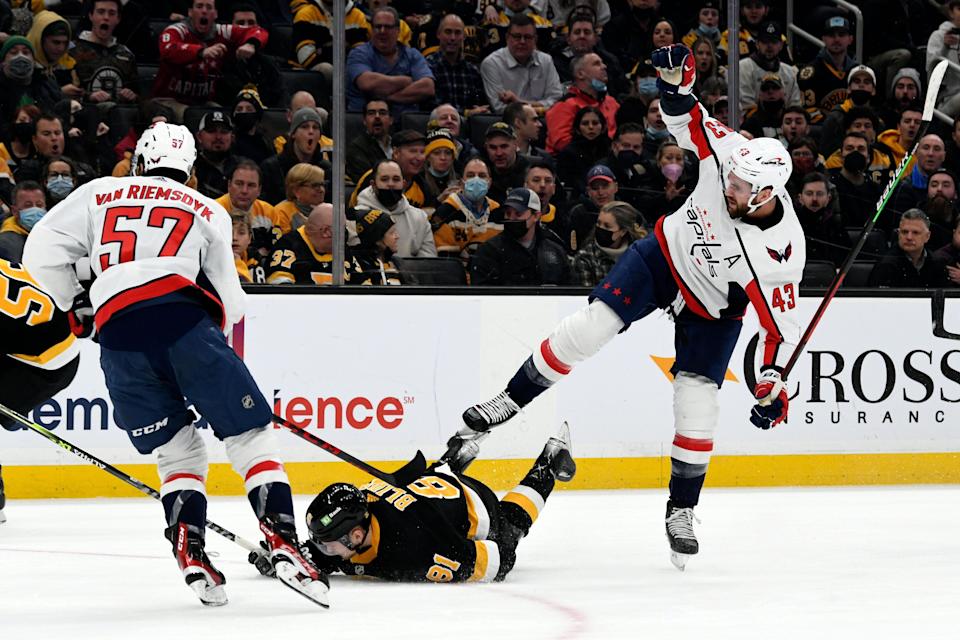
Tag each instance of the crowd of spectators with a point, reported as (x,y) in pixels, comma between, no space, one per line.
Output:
(519,139)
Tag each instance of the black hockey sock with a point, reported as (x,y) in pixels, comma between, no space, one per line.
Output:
(686,481)
(273,498)
(185,506)
(527,384)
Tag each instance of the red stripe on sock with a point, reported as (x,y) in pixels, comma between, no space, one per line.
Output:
(692,444)
(260,467)
(180,476)
(552,360)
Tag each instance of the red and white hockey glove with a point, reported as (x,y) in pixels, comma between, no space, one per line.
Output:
(676,70)
(772,401)
(80,316)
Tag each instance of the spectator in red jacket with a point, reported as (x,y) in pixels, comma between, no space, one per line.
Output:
(589,89)
(192,54)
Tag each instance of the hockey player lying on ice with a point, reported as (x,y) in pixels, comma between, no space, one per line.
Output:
(735,240)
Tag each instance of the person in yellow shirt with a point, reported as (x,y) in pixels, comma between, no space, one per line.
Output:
(304,189)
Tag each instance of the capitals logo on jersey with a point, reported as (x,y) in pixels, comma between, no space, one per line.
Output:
(781,256)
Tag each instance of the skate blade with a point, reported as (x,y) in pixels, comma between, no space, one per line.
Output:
(679,560)
(3,518)
(215,596)
(314,591)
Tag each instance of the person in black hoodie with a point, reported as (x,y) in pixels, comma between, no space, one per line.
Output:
(910,263)
(249,141)
(525,254)
(589,145)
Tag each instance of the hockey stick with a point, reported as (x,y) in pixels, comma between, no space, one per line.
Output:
(933,89)
(116,473)
(399,478)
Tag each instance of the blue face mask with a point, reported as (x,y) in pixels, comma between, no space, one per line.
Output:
(596,85)
(30,216)
(647,87)
(710,32)
(59,186)
(438,174)
(475,188)
(657,134)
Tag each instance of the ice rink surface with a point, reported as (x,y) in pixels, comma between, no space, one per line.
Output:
(775,563)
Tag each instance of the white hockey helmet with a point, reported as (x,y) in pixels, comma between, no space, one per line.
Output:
(763,163)
(168,146)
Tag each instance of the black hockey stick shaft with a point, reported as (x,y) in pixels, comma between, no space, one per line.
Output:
(116,473)
(936,78)
(399,478)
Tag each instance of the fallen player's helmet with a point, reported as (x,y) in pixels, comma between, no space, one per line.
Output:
(168,146)
(762,162)
(335,512)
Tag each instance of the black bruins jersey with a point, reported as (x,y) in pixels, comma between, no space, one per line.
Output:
(295,261)
(435,529)
(494,35)
(822,87)
(33,330)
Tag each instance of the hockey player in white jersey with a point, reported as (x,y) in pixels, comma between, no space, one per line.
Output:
(736,240)
(164,297)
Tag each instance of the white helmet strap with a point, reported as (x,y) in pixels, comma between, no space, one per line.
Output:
(752,206)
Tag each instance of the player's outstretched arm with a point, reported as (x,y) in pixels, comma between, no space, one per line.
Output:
(686,119)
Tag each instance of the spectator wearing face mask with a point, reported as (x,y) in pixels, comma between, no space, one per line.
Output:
(618,226)
(589,89)
(385,193)
(708,25)
(468,218)
(18,148)
(655,131)
(861,89)
(806,159)
(857,193)
(248,137)
(440,177)
(668,185)
(22,82)
(764,119)
(59,179)
(28,204)
(602,189)
(525,254)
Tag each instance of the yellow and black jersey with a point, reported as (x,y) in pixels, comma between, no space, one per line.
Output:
(312,38)
(295,261)
(494,35)
(371,270)
(459,232)
(33,330)
(748,45)
(424,39)
(435,529)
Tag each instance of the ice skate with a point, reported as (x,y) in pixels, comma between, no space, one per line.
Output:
(293,569)
(556,455)
(463,447)
(483,416)
(198,572)
(683,541)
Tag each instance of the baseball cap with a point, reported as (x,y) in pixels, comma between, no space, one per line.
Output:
(836,23)
(407,136)
(218,118)
(500,129)
(302,117)
(522,199)
(600,172)
(770,31)
(861,68)
(771,81)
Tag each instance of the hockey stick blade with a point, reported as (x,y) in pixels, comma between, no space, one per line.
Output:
(115,472)
(933,90)
(393,479)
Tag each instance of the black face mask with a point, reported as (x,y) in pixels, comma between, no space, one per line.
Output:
(771,106)
(216,156)
(23,131)
(629,157)
(855,162)
(389,197)
(515,229)
(860,97)
(245,121)
(604,237)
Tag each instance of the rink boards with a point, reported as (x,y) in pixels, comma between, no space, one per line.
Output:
(875,399)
